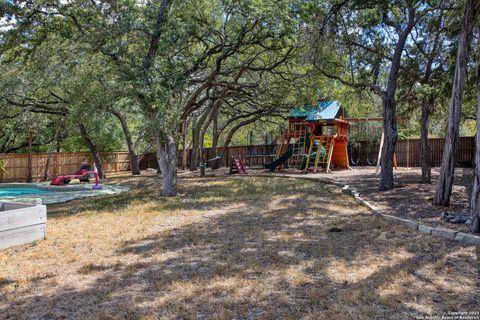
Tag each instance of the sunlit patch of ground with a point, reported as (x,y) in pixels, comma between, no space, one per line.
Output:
(232,247)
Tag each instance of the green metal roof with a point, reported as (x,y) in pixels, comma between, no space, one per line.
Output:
(323,110)
(300,112)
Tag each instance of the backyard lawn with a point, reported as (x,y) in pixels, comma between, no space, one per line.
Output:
(233,247)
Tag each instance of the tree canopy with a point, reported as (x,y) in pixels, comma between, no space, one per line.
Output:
(169,75)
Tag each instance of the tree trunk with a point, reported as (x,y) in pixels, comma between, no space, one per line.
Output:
(215,138)
(195,145)
(215,134)
(134,159)
(197,137)
(447,169)
(93,150)
(184,144)
(156,34)
(475,196)
(203,132)
(427,107)
(50,153)
(390,142)
(241,124)
(389,108)
(201,141)
(30,157)
(167,162)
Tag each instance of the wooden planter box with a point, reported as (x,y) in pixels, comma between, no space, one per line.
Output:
(21,223)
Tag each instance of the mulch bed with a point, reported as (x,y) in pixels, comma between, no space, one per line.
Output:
(410,199)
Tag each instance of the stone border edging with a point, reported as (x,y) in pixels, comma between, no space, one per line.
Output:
(450,234)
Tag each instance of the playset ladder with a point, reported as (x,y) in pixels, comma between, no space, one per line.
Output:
(326,142)
(298,152)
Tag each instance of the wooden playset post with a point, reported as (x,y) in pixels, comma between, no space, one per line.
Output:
(330,155)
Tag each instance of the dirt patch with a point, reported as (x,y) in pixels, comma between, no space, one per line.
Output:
(237,247)
(410,198)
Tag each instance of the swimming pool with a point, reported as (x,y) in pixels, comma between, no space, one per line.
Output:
(13,192)
(28,192)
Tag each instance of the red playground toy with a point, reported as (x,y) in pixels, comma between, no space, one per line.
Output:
(82,175)
(236,166)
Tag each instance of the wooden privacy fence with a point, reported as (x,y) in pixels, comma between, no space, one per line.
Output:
(16,165)
(252,156)
(407,153)
(362,153)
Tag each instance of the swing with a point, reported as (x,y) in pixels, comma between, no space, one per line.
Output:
(352,148)
(372,134)
(354,143)
(365,131)
(370,163)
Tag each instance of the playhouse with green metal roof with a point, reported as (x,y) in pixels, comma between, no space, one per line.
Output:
(316,138)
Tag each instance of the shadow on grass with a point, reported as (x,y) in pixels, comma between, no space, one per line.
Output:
(410,198)
(264,260)
(193,193)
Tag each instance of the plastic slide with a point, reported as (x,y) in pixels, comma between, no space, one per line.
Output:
(284,157)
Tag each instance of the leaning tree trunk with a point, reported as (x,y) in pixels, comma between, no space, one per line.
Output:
(134,158)
(93,150)
(197,138)
(235,128)
(475,197)
(167,162)
(447,170)
(427,107)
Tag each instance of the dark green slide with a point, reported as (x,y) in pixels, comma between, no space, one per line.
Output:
(284,157)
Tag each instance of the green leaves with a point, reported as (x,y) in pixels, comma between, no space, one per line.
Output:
(253,55)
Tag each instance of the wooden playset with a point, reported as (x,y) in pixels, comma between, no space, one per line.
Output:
(317,137)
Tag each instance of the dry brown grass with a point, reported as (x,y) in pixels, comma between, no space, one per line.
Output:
(232,248)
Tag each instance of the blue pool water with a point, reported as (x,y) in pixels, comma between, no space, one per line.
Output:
(12,192)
